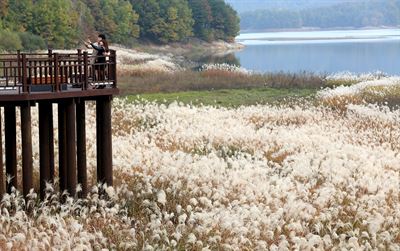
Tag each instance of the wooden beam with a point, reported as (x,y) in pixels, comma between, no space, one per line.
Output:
(11,146)
(26,137)
(81,146)
(71,146)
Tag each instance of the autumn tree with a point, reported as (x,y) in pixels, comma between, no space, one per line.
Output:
(34,24)
(18,15)
(3,11)
(177,21)
(202,16)
(164,20)
(149,15)
(57,22)
(118,20)
(225,23)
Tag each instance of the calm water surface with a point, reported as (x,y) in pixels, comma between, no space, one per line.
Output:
(357,51)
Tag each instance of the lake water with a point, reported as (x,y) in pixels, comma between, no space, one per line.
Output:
(357,51)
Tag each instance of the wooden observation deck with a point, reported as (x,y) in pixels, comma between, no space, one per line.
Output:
(67,80)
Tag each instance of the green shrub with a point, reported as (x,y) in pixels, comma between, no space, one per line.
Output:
(32,42)
(9,41)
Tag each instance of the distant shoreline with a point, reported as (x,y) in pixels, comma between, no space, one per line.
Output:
(321,35)
(308,29)
(277,39)
(196,46)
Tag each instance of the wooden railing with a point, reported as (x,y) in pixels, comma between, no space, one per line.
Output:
(56,72)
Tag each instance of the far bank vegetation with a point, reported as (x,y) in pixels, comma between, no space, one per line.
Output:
(41,24)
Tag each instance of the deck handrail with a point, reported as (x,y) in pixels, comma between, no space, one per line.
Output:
(58,71)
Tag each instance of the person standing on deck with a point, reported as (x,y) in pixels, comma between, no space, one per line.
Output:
(101,49)
(92,59)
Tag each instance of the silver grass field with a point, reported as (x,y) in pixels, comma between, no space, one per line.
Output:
(264,177)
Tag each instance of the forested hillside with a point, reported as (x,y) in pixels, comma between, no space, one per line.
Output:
(352,14)
(251,5)
(38,24)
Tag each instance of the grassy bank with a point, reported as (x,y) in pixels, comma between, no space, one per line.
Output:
(138,81)
(158,79)
(222,87)
(229,97)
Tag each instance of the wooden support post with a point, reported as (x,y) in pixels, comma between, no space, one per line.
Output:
(11,146)
(99,140)
(71,146)
(23,71)
(56,73)
(50,64)
(62,146)
(113,56)
(85,70)
(104,141)
(45,112)
(51,143)
(26,136)
(78,69)
(81,146)
(107,142)
(2,184)
(19,66)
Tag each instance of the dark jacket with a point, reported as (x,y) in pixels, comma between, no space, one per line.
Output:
(100,53)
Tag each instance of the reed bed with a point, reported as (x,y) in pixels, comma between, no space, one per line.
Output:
(247,178)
